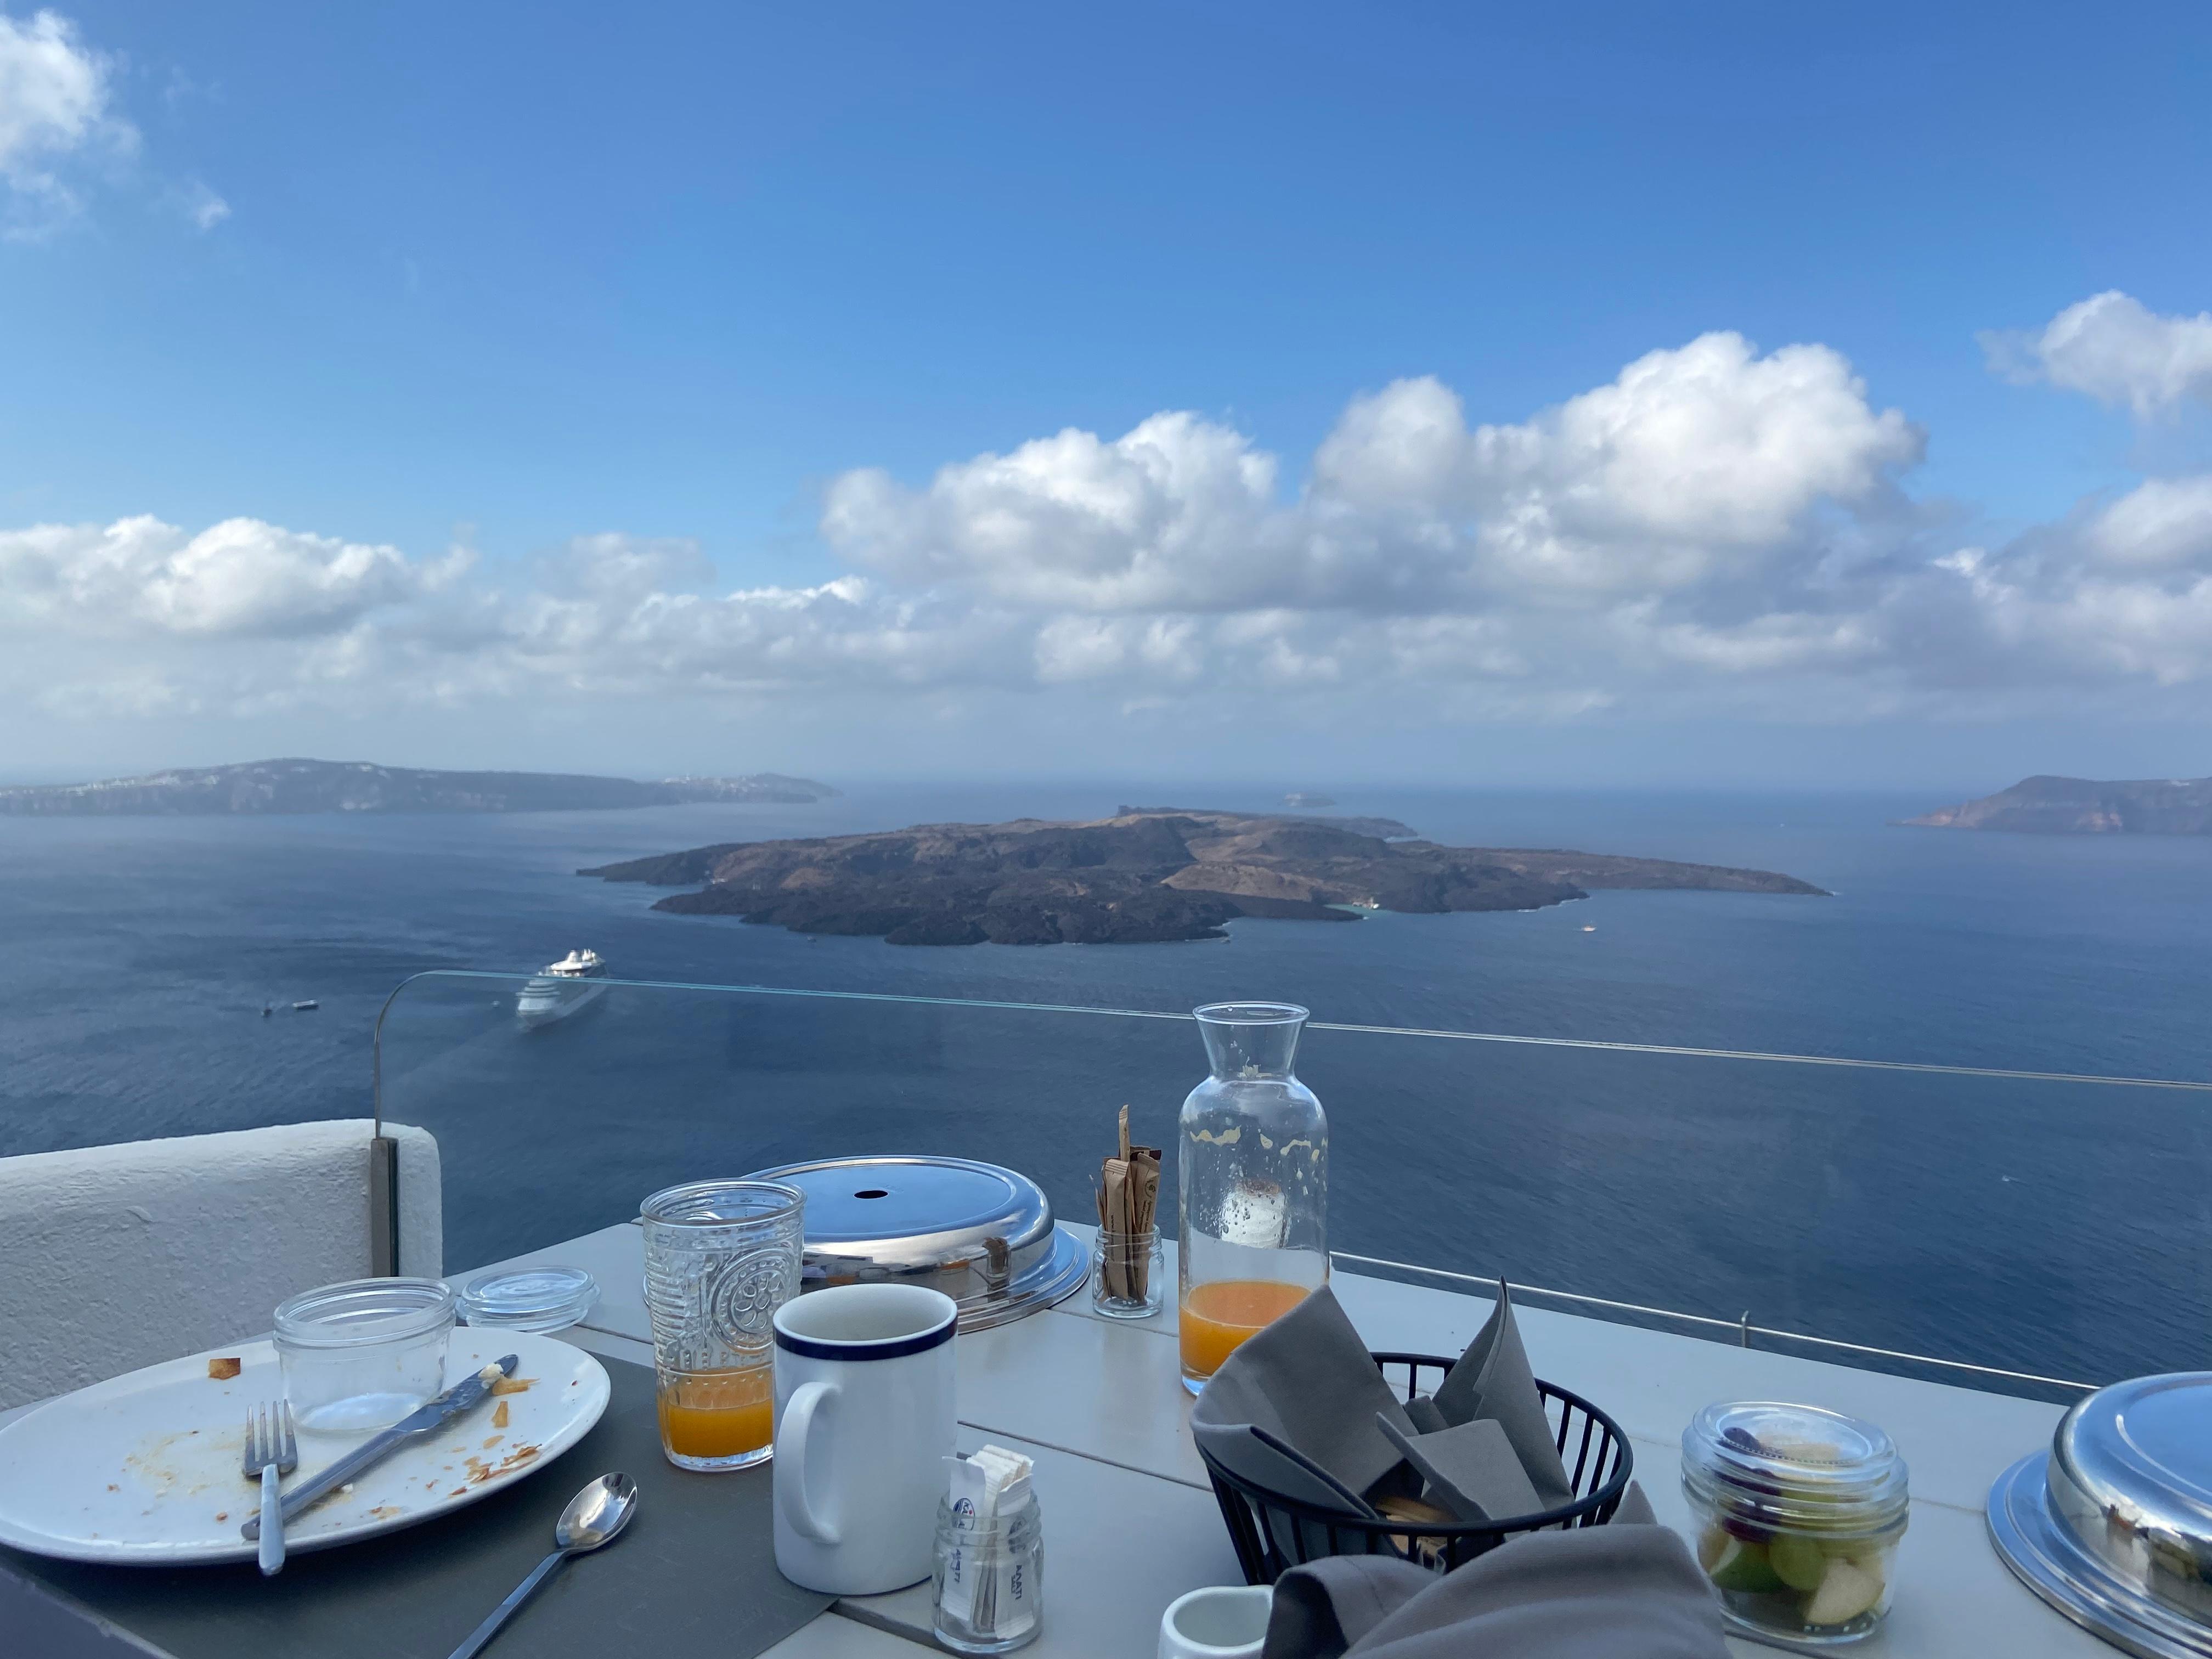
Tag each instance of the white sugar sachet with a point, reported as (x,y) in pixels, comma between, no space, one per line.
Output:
(982,1588)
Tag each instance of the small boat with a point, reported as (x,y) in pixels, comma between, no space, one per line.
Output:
(306,1008)
(562,988)
(267,1009)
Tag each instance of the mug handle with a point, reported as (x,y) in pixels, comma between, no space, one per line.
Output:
(791,1438)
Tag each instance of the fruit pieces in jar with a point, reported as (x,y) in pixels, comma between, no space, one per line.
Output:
(1824,1583)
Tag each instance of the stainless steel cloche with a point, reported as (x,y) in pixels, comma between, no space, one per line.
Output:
(983,1235)
(2113,1524)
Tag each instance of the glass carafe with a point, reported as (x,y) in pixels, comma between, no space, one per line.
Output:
(1252,1176)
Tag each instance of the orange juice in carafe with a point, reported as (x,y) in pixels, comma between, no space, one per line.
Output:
(1216,1318)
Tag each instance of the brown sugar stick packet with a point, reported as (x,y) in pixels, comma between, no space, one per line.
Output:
(1113,1213)
(1138,1201)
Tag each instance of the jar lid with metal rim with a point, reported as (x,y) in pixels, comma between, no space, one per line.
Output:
(983,1235)
(539,1299)
(1796,1466)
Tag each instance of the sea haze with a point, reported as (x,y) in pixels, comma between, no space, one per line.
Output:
(2054,1227)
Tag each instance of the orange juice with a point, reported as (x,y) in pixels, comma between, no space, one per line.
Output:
(719,1419)
(1217,1317)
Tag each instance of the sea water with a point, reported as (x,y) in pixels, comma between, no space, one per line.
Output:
(2054,1226)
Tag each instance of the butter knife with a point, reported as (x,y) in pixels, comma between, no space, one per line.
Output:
(465,1395)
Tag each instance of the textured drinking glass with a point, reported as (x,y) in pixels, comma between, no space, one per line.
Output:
(720,1257)
(1252,1181)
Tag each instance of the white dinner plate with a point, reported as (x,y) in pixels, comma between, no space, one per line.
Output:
(145,1469)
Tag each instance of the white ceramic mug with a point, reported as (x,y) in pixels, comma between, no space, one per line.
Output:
(1218,1622)
(863,1379)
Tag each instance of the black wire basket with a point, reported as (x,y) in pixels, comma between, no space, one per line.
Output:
(1274,1533)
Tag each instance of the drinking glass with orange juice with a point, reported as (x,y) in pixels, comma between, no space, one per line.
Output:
(1252,1176)
(720,1257)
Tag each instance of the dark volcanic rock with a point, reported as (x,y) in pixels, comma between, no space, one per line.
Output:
(315,785)
(1142,877)
(2079,806)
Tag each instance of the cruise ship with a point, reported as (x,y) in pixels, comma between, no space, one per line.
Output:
(562,988)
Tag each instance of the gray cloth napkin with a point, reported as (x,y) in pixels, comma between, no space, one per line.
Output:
(1635,1509)
(1469,1468)
(1426,1419)
(1493,1379)
(1615,1592)
(1267,1462)
(1308,1381)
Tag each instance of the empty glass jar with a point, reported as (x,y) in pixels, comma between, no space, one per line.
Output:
(362,1354)
(1252,1177)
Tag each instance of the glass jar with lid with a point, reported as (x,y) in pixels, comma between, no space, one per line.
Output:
(1800,1511)
(1252,1182)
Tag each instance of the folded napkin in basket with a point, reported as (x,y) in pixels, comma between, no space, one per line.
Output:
(1470,1469)
(1308,1382)
(1493,1379)
(1301,1409)
(1589,1593)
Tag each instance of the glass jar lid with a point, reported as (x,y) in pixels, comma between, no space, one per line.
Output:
(363,1312)
(540,1299)
(1796,1465)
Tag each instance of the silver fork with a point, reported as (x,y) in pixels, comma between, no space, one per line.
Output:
(271,1450)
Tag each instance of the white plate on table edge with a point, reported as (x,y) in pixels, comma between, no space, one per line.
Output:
(143,1469)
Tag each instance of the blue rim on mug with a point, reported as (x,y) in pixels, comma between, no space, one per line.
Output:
(941,1329)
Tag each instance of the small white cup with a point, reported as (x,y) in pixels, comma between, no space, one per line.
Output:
(864,1378)
(1218,1622)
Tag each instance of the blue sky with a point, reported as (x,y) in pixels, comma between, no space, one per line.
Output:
(503,277)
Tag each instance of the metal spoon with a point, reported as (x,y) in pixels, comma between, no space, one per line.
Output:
(593,1517)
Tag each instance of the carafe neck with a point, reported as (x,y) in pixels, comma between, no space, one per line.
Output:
(1245,1040)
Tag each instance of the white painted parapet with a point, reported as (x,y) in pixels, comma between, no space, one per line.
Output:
(115,1257)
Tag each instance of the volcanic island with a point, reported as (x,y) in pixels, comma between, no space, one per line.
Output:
(1146,875)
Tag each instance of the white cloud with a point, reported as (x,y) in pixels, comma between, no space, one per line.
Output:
(1694,461)
(55,108)
(62,131)
(202,206)
(2162,521)
(139,577)
(1714,531)
(1177,511)
(2116,350)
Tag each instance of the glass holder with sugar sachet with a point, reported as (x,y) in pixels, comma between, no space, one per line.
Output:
(989,1584)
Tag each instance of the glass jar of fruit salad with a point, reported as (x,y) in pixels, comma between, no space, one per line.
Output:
(1799,1513)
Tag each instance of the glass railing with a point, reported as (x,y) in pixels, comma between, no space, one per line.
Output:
(1873,1213)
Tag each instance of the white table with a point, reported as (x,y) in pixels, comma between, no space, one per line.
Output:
(1131,1522)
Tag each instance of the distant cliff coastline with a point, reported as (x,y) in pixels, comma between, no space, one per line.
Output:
(2079,806)
(1146,875)
(314,785)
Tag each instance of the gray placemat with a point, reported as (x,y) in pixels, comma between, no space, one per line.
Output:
(695,1572)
